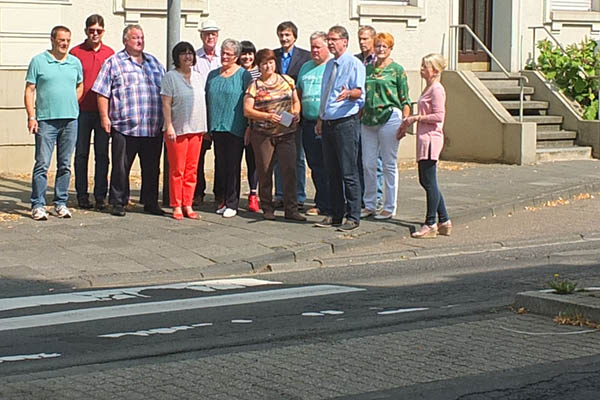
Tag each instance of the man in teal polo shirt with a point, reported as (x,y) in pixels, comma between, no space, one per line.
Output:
(55,79)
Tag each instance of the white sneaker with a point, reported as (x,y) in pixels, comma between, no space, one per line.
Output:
(39,214)
(62,211)
(229,212)
(365,212)
(221,210)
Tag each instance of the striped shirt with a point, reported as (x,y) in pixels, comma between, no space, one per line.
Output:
(133,90)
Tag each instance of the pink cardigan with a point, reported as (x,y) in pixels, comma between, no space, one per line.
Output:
(432,111)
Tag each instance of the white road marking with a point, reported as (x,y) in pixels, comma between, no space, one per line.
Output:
(332,312)
(241,321)
(39,356)
(126,310)
(401,310)
(13,303)
(312,314)
(155,331)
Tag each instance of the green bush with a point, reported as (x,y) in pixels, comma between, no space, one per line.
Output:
(565,70)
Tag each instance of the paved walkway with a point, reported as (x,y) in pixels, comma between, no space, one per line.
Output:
(97,249)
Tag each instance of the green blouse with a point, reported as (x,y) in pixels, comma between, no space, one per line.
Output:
(386,89)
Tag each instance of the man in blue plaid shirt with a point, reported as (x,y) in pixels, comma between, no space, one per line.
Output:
(129,103)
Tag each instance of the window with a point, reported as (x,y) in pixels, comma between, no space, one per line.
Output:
(409,11)
(571,5)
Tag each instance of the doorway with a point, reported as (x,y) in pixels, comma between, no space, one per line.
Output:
(477,14)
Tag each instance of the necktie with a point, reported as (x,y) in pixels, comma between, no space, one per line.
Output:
(328,88)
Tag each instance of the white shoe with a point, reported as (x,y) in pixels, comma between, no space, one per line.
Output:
(365,212)
(384,215)
(229,212)
(39,214)
(62,211)
(221,210)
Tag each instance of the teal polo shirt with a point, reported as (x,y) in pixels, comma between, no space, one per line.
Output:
(55,86)
(310,79)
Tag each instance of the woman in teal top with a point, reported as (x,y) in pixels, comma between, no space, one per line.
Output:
(386,104)
(225,88)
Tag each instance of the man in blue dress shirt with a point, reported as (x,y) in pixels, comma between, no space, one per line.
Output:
(342,97)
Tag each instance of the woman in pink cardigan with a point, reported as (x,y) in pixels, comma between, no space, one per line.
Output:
(430,140)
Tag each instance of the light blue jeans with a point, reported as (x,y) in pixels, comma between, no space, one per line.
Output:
(63,134)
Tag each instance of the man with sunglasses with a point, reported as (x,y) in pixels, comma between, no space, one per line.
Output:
(92,53)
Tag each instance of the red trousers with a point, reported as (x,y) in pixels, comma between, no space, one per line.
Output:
(183,156)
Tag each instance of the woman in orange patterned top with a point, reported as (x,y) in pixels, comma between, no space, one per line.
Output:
(273,107)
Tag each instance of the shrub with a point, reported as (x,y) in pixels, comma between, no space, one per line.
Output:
(565,70)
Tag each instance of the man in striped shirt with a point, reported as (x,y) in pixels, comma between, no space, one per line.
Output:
(129,103)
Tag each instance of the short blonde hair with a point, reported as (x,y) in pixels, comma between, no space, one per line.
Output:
(435,61)
(385,38)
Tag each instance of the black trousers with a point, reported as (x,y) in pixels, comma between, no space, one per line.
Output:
(124,150)
(228,156)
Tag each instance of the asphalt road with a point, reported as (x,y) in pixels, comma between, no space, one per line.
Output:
(366,326)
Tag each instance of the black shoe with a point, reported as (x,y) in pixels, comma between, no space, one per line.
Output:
(117,210)
(348,226)
(84,203)
(328,222)
(153,209)
(277,204)
(300,207)
(296,217)
(100,204)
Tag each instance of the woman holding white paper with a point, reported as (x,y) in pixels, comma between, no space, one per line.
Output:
(273,107)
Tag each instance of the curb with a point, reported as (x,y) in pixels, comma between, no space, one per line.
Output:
(546,302)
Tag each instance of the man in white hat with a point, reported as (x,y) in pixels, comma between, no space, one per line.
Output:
(208,58)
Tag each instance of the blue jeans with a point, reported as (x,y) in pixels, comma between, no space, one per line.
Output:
(313,149)
(88,121)
(435,200)
(340,152)
(63,134)
(300,173)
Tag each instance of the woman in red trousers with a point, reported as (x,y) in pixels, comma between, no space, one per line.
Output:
(184,110)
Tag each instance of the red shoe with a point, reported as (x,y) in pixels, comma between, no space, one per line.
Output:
(190,213)
(253,203)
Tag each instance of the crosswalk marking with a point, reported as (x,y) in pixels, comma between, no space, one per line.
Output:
(99,313)
(13,303)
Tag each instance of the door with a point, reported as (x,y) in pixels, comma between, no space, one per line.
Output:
(478,15)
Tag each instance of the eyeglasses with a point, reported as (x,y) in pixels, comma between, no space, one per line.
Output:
(95,31)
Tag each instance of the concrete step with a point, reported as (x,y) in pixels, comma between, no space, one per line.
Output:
(556,135)
(545,144)
(542,119)
(510,92)
(493,75)
(563,153)
(547,128)
(500,83)
(527,105)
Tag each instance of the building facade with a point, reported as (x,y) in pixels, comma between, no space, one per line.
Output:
(419,27)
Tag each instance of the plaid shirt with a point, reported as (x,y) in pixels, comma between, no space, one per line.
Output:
(134,93)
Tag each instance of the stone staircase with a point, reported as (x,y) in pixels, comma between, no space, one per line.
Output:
(553,142)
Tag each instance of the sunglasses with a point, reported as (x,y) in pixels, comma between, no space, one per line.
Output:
(95,31)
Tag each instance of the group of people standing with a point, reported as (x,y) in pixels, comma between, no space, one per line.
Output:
(344,115)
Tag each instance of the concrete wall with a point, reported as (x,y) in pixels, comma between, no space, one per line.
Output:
(478,128)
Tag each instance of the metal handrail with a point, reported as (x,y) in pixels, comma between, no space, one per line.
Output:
(454,60)
(560,46)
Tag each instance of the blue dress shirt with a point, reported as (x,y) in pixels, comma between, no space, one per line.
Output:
(350,75)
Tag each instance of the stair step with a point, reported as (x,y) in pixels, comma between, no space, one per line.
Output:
(511,90)
(501,83)
(542,119)
(556,135)
(547,128)
(527,105)
(546,144)
(492,75)
(563,153)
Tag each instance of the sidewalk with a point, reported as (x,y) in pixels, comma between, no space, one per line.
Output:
(97,249)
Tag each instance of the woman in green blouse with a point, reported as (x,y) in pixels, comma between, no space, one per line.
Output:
(387,104)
